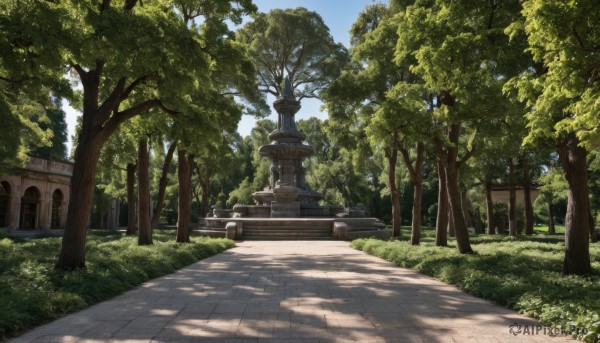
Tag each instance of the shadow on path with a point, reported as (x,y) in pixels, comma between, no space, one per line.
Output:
(290,291)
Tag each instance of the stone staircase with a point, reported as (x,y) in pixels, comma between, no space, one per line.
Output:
(291,229)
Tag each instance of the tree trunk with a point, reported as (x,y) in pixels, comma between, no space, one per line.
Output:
(577,253)
(478,222)
(551,228)
(593,234)
(162,185)
(184,204)
(131,203)
(206,189)
(392,157)
(454,196)
(465,206)
(491,228)
(416,175)
(454,200)
(527,195)
(416,212)
(98,122)
(441,223)
(512,199)
(144,229)
(450,229)
(83,180)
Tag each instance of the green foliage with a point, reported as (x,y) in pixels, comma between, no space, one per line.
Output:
(564,37)
(32,292)
(257,168)
(293,42)
(57,124)
(519,273)
(242,194)
(560,229)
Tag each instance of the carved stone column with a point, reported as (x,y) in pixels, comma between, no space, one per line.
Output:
(63,213)
(14,210)
(44,214)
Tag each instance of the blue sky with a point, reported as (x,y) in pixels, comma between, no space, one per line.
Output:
(338,16)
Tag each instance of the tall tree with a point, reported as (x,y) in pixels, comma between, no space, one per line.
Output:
(295,43)
(144,228)
(184,203)
(456,47)
(94,41)
(31,80)
(259,174)
(564,38)
(389,117)
(58,125)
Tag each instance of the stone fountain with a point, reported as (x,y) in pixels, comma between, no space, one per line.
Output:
(287,208)
(288,193)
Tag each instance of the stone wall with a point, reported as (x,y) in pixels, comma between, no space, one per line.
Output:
(48,183)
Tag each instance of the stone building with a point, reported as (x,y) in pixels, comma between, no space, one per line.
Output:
(35,197)
(501,194)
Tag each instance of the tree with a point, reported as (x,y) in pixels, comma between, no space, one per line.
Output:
(184,203)
(343,175)
(162,183)
(116,172)
(562,97)
(295,43)
(31,80)
(58,126)
(553,187)
(259,175)
(93,40)
(144,228)
(388,118)
(458,50)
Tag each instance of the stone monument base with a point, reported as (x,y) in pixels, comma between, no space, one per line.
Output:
(285,209)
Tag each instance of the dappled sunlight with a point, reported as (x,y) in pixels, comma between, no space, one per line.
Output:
(276,292)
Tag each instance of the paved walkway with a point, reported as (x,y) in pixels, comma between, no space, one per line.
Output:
(296,291)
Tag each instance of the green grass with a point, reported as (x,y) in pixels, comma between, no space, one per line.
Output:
(560,230)
(520,273)
(32,292)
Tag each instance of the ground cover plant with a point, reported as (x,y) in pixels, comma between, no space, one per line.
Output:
(522,273)
(560,230)
(33,292)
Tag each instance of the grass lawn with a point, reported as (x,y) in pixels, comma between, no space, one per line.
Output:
(560,230)
(522,273)
(32,292)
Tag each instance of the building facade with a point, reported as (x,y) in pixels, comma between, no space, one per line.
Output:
(36,197)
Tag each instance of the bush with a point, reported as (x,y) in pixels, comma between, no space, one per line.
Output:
(32,292)
(519,273)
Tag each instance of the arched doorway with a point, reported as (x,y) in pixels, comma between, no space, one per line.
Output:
(57,200)
(30,209)
(4,203)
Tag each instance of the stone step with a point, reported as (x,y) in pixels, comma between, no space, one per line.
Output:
(286,228)
(292,232)
(294,223)
(286,238)
(286,232)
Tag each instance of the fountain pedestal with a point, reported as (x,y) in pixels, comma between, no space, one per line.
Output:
(285,204)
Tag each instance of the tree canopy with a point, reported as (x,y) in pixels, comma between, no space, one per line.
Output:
(295,43)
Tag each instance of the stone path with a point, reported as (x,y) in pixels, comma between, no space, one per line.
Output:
(294,291)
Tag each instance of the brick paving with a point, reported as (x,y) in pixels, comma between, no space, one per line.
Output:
(291,291)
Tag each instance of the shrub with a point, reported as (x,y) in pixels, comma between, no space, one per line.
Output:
(32,292)
(520,273)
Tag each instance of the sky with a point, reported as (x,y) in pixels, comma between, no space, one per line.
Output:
(338,16)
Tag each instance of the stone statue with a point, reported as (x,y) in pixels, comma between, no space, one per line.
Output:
(300,172)
(274,175)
